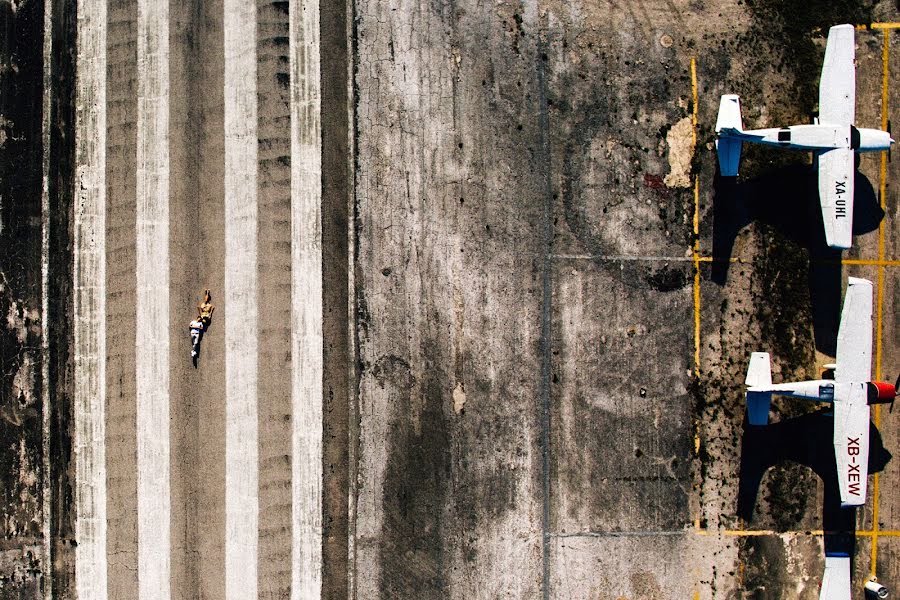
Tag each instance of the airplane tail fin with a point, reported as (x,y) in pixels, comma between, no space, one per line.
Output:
(759,374)
(729,113)
(729,122)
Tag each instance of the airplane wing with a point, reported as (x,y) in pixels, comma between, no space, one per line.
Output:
(854,343)
(836,195)
(837,87)
(851,445)
(836,582)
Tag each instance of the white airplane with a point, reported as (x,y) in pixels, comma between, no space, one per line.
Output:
(851,391)
(832,137)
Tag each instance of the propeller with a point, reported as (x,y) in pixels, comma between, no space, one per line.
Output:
(896,385)
(889,135)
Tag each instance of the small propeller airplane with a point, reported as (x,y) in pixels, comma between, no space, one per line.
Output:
(851,391)
(832,137)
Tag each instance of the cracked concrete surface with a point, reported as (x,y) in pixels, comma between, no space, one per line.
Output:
(462,238)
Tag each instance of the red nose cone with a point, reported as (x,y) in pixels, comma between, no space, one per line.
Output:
(886,391)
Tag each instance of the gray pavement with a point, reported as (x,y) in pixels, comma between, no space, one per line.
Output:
(453,252)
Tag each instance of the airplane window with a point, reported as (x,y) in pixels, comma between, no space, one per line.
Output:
(784,135)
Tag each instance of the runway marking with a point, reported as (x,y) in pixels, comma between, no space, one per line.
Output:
(152,303)
(307,361)
(89,304)
(46,421)
(241,287)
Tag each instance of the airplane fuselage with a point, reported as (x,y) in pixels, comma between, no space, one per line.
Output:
(816,137)
(827,390)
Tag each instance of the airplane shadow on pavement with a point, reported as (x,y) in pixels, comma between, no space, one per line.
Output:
(787,199)
(806,440)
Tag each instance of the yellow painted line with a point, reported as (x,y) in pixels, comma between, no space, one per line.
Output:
(875,533)
(885,26)
(696,243)
(870,262)
(695,249)
(879,320)
(891,533)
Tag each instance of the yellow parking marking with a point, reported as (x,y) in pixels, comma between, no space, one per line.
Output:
(869,262)
(885,26)
(872,263)
(891,533)
(695,252)
(885,71)
(696,242)
(881,263)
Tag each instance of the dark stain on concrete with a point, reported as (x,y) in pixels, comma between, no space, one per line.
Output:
(668,278)
(416,482)
(60,337)
(765,567)
(615,123)
(338,128)
(792,26)
(22,475)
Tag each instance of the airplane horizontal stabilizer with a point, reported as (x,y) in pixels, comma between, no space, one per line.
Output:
(729,150)
(758,407)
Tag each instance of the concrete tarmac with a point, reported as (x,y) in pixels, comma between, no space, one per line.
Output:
(483,304)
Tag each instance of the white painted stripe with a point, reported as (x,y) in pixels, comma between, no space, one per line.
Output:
(306,301)
(46,487)
(89,322)
(241,324)
(152,302)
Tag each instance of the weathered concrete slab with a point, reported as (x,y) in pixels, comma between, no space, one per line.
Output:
(641,566)
(781,566)
(621,419)
(480,355)
(451,231)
